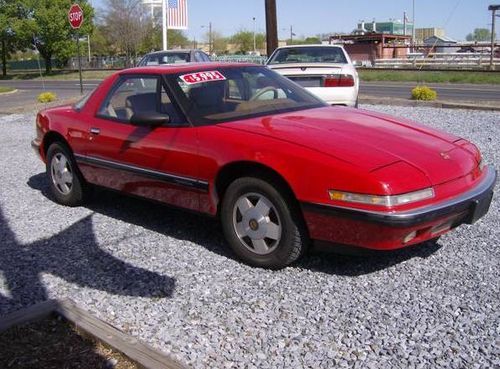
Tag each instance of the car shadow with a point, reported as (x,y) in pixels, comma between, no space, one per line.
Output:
(207,232)
(337,262)
(75,256)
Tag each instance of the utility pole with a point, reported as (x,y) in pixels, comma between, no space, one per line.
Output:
(210,41)
(164,23)
(413,27)
(254,40)
(493,9)
(209,37)
(88,44)
(291,34)
(271,27)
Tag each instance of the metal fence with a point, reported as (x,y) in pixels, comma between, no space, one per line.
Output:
(440,60)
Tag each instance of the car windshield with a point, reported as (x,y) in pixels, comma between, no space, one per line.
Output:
(170,58)
(309,55)
(231,93)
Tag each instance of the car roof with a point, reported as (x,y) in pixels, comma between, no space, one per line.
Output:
(181,67)
(172,51)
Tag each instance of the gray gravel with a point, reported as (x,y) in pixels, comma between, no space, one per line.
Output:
(166,277)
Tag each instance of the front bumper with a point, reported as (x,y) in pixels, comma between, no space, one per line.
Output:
(387,230)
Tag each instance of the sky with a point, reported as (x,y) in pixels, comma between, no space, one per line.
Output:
(312,17)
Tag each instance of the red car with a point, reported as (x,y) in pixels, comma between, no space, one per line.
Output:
(277,166)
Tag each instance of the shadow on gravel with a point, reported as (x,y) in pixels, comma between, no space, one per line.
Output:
(207,233)
(172,222)
(73,255)
(366,263)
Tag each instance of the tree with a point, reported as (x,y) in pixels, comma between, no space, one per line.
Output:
(479,34)
(52,33)
(153,39)
(244,40)
(126,23)
(100,43)
(219,43)
(12,29)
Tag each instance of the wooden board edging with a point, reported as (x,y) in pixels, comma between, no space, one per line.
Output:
(141,353)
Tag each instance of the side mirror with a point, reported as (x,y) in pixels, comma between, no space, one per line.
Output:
(149,119)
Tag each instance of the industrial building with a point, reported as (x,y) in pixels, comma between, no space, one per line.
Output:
(392,27)
(366,48)
(422,34)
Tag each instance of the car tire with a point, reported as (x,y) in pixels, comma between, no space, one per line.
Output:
(356,104)
(65,180)
(261,224)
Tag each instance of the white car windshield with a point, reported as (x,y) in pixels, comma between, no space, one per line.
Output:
(309,55)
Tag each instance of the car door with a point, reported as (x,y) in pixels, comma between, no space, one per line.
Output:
(160,162)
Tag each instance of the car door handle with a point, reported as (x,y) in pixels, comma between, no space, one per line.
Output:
(95,131)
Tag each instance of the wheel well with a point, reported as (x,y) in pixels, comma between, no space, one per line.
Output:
(237,170)
(50,138)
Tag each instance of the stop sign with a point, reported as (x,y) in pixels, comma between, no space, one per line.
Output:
(75,16)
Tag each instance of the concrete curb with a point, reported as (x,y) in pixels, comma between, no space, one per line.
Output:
(430,104)
(9,92)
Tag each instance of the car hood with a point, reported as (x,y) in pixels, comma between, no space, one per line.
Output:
(367,140)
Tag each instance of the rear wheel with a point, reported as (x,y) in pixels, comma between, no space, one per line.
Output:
(261,225)
(65,181)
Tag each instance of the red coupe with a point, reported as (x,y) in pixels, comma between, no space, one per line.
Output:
(277,165)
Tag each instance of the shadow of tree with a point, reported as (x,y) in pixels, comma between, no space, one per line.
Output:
(73,255)
(207,233)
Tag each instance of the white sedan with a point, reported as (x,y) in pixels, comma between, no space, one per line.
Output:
(324,70)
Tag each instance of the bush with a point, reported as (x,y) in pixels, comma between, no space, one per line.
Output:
(46,97)
(423,93)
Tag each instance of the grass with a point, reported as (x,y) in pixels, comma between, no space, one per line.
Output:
(54,343)
(430,76)
(5,89)
(59,75)
(365,75)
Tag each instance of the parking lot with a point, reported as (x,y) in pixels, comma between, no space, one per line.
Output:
(166,277)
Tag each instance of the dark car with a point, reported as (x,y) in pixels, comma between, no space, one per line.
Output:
(174,57)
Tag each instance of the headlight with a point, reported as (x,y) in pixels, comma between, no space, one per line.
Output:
(387,201)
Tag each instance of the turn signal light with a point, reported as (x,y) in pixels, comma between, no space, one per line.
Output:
(382,200)
(339,80)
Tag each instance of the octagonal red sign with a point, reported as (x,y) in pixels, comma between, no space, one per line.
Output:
(75,16)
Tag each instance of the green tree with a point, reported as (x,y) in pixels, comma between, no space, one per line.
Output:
(219,43)
(244,41)
(52,33)
(13,15)
(479,34)
(100,44)
(153,39)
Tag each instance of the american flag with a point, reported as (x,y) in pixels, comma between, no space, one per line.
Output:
(177,14)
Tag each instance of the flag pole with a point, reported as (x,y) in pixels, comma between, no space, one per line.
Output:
(164,23)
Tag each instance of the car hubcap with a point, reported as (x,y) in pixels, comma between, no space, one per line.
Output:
(257,223)
(61,173)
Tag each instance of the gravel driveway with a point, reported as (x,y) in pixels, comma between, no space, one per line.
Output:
(166,277)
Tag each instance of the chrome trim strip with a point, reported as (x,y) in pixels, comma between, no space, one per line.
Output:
(166,177)
(418,215)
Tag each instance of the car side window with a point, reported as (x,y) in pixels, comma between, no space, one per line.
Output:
(201,57)
(134,94)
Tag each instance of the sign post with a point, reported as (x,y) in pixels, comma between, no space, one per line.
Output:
(75,17)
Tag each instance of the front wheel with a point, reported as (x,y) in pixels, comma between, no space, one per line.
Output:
(261,225)
(65,181)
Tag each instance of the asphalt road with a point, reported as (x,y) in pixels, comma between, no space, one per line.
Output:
(29,89)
